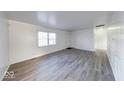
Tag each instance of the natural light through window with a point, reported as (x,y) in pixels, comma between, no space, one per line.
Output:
(52,38)
(42,39)
(45,39)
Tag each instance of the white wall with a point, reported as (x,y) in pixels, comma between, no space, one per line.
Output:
(23,41)
(115,48)
(4,47)
(83,39)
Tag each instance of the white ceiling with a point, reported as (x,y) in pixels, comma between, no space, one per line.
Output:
(62,20)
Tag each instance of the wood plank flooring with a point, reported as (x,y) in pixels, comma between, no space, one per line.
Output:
(64,65)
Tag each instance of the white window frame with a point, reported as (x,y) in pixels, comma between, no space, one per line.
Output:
(52,39)
(40,39)
(48,39)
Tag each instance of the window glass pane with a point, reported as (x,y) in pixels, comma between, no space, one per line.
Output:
(52,35)
(42,35)
(43,42)
(52,42)
(52,38)
(42,39)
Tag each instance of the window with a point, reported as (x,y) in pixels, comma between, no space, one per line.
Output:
(52,38)
(42,39)
(45,39)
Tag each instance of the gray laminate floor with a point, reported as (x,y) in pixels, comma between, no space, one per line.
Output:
(65,65)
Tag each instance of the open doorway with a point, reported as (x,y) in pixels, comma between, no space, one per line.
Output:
(100,35)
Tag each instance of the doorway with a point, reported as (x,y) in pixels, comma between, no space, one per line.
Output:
(100,35)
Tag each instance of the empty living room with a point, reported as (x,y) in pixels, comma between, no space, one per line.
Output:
(62,46)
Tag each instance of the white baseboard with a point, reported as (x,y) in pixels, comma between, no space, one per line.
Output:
(25,59)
